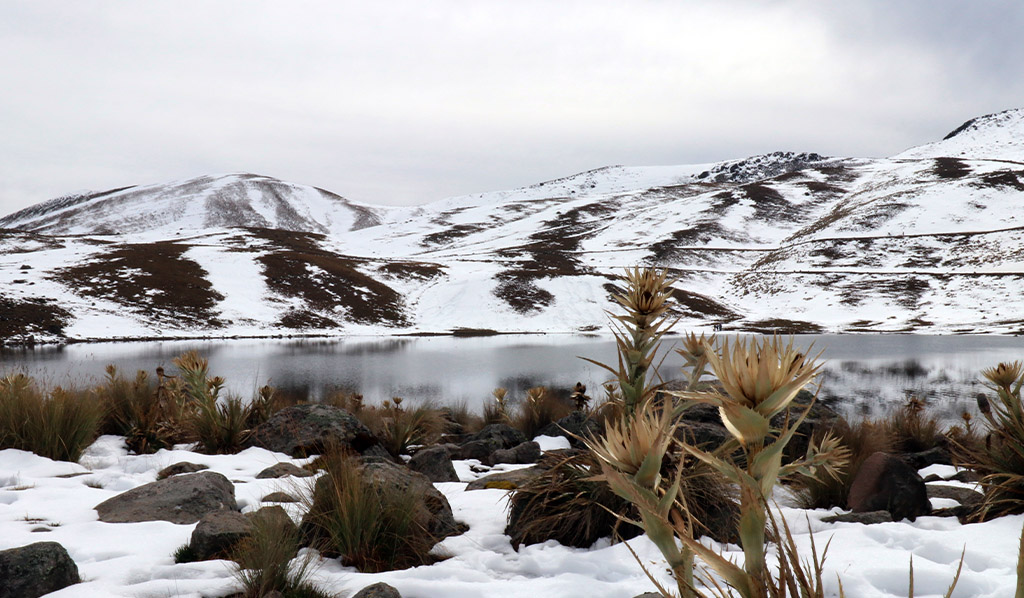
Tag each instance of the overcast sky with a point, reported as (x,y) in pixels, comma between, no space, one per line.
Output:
(408,102)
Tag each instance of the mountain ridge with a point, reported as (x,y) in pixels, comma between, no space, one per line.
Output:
(920,242)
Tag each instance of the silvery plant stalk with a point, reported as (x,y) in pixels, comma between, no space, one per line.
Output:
(759,379)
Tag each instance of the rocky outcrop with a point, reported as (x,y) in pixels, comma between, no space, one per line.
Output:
(494,437)
(575,426)
(303,430)
(886,482)
(177,499)
(34,570)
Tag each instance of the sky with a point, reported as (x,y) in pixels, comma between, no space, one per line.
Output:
(407,102)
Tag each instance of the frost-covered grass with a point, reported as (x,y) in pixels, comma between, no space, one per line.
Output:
(136,559)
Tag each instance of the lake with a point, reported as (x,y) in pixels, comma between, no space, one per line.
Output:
(864,374)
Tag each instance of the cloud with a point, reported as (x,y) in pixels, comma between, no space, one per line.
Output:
(398,102)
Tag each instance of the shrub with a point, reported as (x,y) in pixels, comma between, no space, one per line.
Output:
(58,424)
(265,562)
(496,412)
(372,528)
(218,427)
(911,430)
(861,439)
(540,408)
(399,428)
(146,414)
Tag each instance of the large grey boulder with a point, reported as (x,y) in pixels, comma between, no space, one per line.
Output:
(34,570)
(303,430)
(217,533)
(178,499)
(435,463)
(885,482)
(575,426)
(494,437)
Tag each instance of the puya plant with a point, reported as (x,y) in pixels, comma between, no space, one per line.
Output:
(638,333)
(759,379)
(1000,457)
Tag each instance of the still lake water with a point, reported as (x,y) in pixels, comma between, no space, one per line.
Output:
(864,374)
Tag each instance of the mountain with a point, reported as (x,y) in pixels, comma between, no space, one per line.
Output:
(925,241)
(196,204)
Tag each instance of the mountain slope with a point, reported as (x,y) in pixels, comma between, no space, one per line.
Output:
(194,205)
(927,241)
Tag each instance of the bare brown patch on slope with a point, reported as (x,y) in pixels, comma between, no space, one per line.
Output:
(151,279)
(21,319)
(298,267)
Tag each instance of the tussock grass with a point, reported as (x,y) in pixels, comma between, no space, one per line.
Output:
(912,430)
(540,408)
(217,427)
(369,527)
(266,562)
(58,423)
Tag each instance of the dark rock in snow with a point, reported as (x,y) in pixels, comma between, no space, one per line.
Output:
(34,570)
(303,430)
(217,533)
(434,463)
(178,499)
(887,482)
(281,470)
(574,426)
(180,468)
(378,590)
(523,453)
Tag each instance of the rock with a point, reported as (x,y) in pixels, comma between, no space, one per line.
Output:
(281,470)
(966,475)
(935,455)
(273,518)
(887,482)
(702,435)
(866,518)
(965,496)
(217,533)
(475,449)
(492,438)
(526,452)
(391,475)
(177,499)
(180,468)
(434,463)
(279,497)
(433,508)
(378,453)
(303,430)
(505,480)
(378,590)
(34,570)
(574,426)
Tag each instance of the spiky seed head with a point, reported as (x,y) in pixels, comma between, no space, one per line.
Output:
(1004,374)
(764,376)
(695,347)
(636,446)
(984,406)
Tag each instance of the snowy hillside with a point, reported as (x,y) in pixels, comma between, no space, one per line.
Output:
(927,241)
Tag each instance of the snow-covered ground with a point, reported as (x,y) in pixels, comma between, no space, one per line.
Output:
(53,501)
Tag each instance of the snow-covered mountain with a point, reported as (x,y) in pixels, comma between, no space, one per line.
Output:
(927,241)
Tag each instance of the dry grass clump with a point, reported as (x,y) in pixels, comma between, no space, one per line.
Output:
(397,427)
(370,527)
(266,562)
(862,439)
(912,430)
(540,408)
(566,504)
(58,423)
(147,414)
(459,419)
(497,412)
(216,426)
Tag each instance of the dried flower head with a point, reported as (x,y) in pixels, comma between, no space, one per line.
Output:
(1004,374)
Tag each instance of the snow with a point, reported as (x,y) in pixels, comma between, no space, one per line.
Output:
(135,559)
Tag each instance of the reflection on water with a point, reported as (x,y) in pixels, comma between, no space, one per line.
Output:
(864,374)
